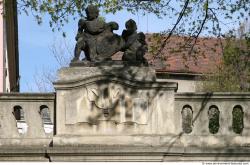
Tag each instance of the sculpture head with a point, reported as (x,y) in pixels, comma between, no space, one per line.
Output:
(141,37)
(92,12)
(113,26)
(131,25)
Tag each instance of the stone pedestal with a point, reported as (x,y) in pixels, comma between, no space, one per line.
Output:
(109,105)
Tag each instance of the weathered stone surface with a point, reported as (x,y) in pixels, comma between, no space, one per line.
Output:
(97,153)
(135,44)
(96,38)
(111,70)
(141,153)
(30,103)
(24,153)
(103,113)
(111,100)
(200,104)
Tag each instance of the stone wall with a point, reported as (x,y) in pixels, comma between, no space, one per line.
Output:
(112,105)
(26,119)
(109,115)
(215,119)
(186,85)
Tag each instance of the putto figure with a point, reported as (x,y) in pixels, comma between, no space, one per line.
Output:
(135,45)
(96,38)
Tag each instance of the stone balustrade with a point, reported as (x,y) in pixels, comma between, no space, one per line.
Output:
(215,119)
(106,118)
(26,119)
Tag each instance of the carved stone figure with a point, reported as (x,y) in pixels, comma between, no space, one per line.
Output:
(104,99)
(135,44)
(96,38)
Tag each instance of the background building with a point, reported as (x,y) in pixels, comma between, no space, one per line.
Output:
(176,64)
(9,62)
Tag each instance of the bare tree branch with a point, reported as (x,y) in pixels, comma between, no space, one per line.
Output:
(163,44)
(200,30)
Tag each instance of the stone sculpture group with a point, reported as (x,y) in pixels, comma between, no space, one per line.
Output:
(96,38)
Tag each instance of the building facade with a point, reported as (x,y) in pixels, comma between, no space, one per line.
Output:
(9,62)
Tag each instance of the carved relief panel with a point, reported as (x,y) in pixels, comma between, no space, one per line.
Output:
(105,102)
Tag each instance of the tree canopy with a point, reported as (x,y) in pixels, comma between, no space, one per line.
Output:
(191,17)
(194,14)
(233,73)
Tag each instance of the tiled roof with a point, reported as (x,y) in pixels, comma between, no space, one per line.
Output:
(177,59)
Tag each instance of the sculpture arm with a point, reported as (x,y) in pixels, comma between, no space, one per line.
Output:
(129,38)
(81,27)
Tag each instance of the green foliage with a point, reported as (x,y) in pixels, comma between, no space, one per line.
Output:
(155,43)
(190,17)
(193,15)
(233,74)
(102,19)
(238,124)
(61,11)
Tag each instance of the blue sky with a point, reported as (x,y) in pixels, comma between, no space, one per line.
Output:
(35,41)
